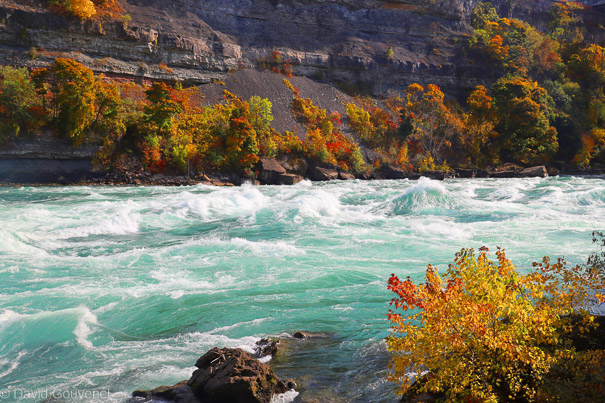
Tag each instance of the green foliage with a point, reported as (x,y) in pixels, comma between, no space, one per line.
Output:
(325,142)
(19,103)
(565,24)
(74,88)
(482,15)
(433,124)
(163,107)
(390,53)
(524,111)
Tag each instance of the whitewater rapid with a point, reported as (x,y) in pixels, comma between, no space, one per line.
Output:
(114,289)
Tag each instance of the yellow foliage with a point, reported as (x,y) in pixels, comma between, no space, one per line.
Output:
(83,9)
(487,332)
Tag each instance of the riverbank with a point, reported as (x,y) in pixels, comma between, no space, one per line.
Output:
(267,172)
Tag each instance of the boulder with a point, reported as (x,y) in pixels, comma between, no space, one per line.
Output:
(225,375)
(323,174)
(269,170)
(505,171)
(232,375)
(392,172)
(466,172)
(301,335)
(534,172)
(180,393)
(288,179)
(345,176)
(266,347)
(481,173)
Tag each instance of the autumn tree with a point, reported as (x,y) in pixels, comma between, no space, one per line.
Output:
(164,106)
(427,120)
(565,25)
(261,116)
(325,142)
(513,45)
(478,138)
(488,333)
(524,110)
(19,102)
(82,9)
(73,89)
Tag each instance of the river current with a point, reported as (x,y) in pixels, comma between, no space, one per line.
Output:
(104,290)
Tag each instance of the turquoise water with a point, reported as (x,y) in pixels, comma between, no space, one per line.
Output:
(110,289)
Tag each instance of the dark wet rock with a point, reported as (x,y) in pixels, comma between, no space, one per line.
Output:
(266,347)
(508,170)
(181,393)
(515,171)
(470,173)
(269,170)
(232,375)
(482,173)
(301,335)
(392,172)
(466,172)
(224,375)
(323,174)
(534,172)
(438,175)
(506,173)
(289,179)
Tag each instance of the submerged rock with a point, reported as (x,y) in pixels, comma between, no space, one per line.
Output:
(181,392)
(266,347)
(301,335)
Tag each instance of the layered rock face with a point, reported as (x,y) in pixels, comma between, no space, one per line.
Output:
(375,46)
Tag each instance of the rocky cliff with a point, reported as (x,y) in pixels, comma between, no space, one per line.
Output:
(372,45)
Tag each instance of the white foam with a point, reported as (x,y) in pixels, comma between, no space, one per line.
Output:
(7,317)
(265,359)
(223,329)
(317,203)
(268,248)
(442,229)
(287,397)
(426,185)
(83,330)
(342,308)
(122,224)
(14,364)
(240,201)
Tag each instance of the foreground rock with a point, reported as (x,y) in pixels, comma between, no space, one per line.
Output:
(223,375)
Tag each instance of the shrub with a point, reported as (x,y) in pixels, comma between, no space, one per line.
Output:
(487,332)
(19,103)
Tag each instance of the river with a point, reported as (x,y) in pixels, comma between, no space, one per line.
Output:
(111,289)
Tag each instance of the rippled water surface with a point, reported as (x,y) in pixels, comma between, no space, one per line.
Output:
(118,288)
